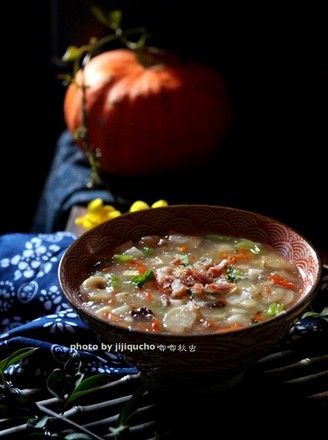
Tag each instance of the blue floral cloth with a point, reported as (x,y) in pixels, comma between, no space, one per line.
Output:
(33,311)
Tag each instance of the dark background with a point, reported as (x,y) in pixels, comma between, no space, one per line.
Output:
(275,62)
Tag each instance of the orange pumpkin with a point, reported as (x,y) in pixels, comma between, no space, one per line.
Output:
(145,120)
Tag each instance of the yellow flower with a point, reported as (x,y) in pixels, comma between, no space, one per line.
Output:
(98,213)
(138,206)
(159,204)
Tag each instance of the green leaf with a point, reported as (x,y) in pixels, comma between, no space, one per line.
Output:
(56,384)
(127,410)
(15,405)
(117,430)
(72,369)
(130,406)
(88,386)
(16,357)
(71,54)
(13,359)
(101,17)
(115,18)
(61,383)
(73,364)
(99,14)
(38,423)
(140,280)
(78,436)
(323,314)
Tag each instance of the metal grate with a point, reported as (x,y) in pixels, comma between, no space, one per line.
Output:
(283,382)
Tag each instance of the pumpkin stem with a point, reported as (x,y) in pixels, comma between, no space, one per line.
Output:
(91,154)
(134,39)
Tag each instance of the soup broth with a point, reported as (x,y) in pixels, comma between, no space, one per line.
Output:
(186,284)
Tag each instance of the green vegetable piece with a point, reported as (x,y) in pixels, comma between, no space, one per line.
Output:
(140,280)
(274,309)
(148,252)
(234,274)
(184,259)
(249,245)
(122,258)
(113,280)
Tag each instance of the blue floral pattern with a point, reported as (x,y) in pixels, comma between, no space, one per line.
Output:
(33,312)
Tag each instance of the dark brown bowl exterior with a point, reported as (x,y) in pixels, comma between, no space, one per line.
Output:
(178,356)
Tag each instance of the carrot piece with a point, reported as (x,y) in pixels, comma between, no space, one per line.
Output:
(107,268)
(231,328)
(111,317)
(133,263)
(242,255)
(148,295)
(152,326)
(276,279)
(142,269)
(155,325)
(258,317)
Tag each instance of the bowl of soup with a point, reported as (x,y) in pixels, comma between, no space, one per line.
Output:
(190,295)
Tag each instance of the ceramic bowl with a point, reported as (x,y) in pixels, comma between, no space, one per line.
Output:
(175,362)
